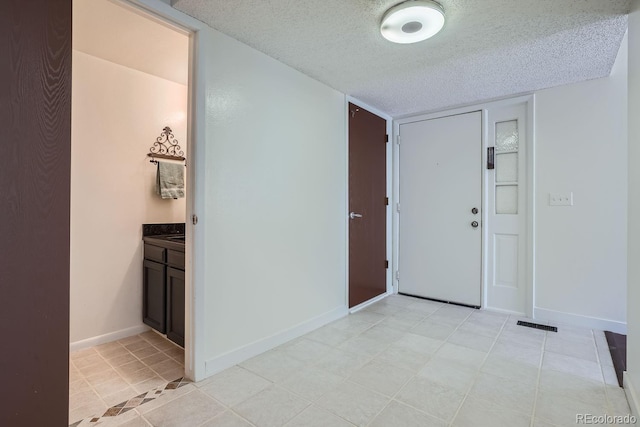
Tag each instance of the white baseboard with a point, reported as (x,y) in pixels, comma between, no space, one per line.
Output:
(502,311)
(632,396)
(111,336)
(229,359)
(580,321)
(368,303)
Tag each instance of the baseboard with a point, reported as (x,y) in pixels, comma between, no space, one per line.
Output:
(229,359)
(632,396)
(368,303)
(502,311)
(579,320)
(111,336)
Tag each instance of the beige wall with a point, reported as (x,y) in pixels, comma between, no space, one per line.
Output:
(581,250)
(632,378)
(117,113)
(273,193)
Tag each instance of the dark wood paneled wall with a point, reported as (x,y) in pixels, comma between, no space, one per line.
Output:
(35,168)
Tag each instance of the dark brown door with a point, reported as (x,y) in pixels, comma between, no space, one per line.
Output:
(35,160)
(367,205)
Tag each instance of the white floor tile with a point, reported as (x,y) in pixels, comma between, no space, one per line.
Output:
(354,403)
(234,385)
(517,353)
(561,409)
(312,383)
(449,373)
(192,409)
(514,395)
(314,416)
(227,419)
(464,356)
(307,351)
(435,399)
(481,413)
(400,362)
(382,378)
(572,365)
(435,330)
(342,363)
(272,407)
(398,415)
(471,340)
(273,365)
(590,392)
(582,349)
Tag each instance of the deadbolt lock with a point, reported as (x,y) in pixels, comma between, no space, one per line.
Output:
(474,211)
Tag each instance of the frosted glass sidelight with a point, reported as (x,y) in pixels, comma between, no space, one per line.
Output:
(507,199)
(507,136)
(507,167)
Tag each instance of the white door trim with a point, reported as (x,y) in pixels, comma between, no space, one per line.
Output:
(195,249)
(530,199)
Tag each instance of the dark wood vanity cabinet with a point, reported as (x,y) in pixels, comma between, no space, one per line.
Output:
(154,295)
(175,305)
(164,290)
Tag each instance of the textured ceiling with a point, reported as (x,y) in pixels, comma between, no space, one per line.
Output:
(122,35)
(487,49)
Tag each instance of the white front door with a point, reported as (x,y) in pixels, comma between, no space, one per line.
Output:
(440,178)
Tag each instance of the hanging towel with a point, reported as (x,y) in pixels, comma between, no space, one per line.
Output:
(170,180)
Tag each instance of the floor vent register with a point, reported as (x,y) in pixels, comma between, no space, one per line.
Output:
(538,326)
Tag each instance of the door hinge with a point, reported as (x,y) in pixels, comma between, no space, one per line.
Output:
(398,207)
(386,263)
(386,138)
(397,274)
(398,139)
(194,219)
(386,201)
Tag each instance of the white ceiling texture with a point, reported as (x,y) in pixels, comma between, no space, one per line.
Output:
(488,48)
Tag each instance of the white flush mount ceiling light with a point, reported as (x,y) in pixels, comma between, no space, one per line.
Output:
(412,21)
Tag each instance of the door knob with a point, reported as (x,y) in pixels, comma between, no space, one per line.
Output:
(474,211)
(474,224)
(354,215)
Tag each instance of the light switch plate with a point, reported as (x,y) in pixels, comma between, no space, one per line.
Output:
(561,199)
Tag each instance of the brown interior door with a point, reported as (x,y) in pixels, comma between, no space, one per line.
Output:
(35,171)
(367,205)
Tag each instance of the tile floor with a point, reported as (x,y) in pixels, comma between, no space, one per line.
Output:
(402,362)
(106,375)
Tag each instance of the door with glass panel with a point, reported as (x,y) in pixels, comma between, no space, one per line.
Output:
(506,210)
(440,178)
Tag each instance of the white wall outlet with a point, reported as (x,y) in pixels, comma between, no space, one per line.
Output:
(561,199)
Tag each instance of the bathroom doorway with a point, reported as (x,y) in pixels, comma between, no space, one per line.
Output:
(130,83)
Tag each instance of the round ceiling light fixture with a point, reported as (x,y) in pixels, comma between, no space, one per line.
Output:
(412,21)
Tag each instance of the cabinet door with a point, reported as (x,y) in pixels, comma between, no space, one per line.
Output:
(154,295)
(175,305)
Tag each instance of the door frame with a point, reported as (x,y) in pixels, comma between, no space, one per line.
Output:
(529,233)
(164,14)
(389,189)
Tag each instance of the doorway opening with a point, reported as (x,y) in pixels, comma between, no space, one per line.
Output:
(130,84)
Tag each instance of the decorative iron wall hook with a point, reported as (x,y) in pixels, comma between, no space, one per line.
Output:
(166,147)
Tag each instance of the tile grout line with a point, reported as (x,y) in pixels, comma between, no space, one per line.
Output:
(535,399)
(475,378)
